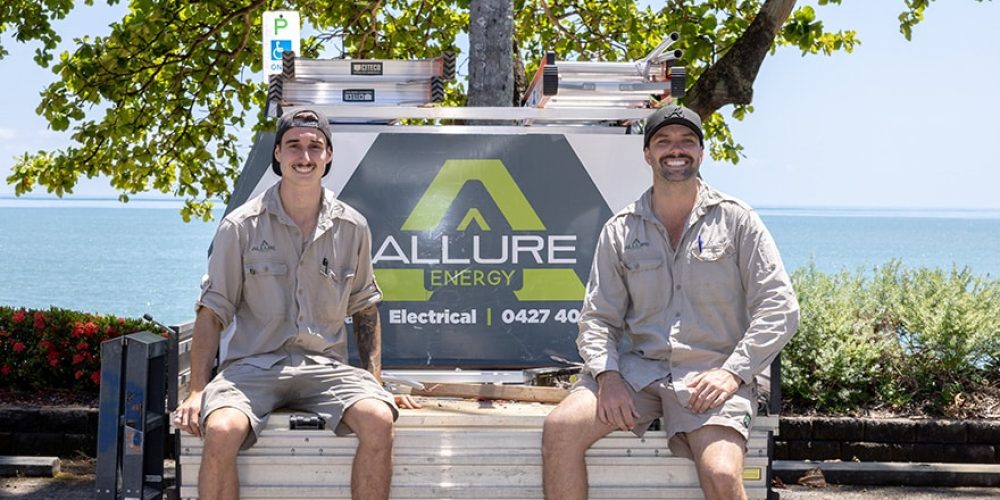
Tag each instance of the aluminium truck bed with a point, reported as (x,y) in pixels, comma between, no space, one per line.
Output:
(466,449)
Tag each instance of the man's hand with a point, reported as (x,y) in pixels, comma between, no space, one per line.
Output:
(712,388)
(614,402)
(407,402)
(187,414)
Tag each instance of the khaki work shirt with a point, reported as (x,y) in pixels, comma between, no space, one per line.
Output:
(283,288)
(721,300)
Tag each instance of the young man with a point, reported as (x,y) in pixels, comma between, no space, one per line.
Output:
(289,266)
(691,283)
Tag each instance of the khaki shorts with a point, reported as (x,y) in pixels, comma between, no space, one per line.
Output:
(659,399)
(295,382)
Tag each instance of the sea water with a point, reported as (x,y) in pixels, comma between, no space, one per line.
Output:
(109,258)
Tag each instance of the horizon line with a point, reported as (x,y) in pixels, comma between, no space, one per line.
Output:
(156,199)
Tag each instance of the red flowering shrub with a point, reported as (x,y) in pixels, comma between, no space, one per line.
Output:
(56,348)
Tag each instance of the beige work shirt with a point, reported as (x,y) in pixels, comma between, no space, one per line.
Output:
(721,300)
(283,288)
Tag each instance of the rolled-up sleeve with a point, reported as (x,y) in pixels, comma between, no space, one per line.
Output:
(771,302)
(604,306)
(365,291)
(222,285)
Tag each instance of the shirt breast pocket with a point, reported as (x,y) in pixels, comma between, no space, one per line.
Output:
(266,288)
(712,253)
(713,276)
(646,284)
(335,293)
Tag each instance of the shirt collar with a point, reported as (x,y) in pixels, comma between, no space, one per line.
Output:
(330,208)
(707,198)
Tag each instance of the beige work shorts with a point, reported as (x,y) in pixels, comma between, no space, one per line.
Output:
(659,399)
(296,383)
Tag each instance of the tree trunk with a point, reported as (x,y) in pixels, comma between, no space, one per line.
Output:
(730,80)
(491,32)
(520,77)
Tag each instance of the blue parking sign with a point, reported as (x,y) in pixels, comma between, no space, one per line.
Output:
(278,47)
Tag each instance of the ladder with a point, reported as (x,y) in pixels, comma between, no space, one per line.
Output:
(349,82)
(576,84)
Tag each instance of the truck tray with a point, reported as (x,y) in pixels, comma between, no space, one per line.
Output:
(466,449)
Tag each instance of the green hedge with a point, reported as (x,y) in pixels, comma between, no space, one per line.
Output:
(922,341)
(56,348)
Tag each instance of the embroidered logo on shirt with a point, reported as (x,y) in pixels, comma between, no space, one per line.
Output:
(746,420)
(263,247)
(636,244)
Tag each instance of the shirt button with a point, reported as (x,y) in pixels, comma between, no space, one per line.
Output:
(678,287)
(677,315)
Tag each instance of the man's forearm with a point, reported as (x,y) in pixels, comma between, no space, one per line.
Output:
(204,348)
(368,329)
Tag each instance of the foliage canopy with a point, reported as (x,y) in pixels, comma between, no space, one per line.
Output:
(160,102)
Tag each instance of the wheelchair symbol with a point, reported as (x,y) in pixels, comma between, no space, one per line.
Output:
(279,46)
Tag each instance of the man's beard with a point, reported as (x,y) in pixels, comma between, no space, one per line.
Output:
(673,174)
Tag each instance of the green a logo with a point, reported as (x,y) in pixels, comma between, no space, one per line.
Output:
(537,284)
(443,190)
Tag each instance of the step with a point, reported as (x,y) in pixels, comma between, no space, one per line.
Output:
(497,472)
(445,492)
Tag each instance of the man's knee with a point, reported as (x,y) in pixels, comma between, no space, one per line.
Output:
(557,426)
(718,451)
(226,429)
(371,420)
(564,432)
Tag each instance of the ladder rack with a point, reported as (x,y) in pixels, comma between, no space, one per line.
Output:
(562,93)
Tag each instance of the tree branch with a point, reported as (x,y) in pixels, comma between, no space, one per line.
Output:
(555,21)
(730,80)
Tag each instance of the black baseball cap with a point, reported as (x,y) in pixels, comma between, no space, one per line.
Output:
(304,117)
(673,114)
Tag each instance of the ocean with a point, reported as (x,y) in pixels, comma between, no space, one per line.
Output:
(104,257)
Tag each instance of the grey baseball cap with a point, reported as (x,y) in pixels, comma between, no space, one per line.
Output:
(673,114)
(306,117)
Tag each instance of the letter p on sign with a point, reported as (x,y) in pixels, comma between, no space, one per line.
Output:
(280,23)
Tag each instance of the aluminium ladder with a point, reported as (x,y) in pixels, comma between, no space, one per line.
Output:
(574,84)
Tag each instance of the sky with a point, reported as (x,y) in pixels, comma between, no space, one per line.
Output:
(895,124)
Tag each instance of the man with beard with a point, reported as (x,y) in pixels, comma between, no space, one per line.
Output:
(289,266)
(687,301)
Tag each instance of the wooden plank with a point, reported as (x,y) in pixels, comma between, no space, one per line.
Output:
(494,391)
